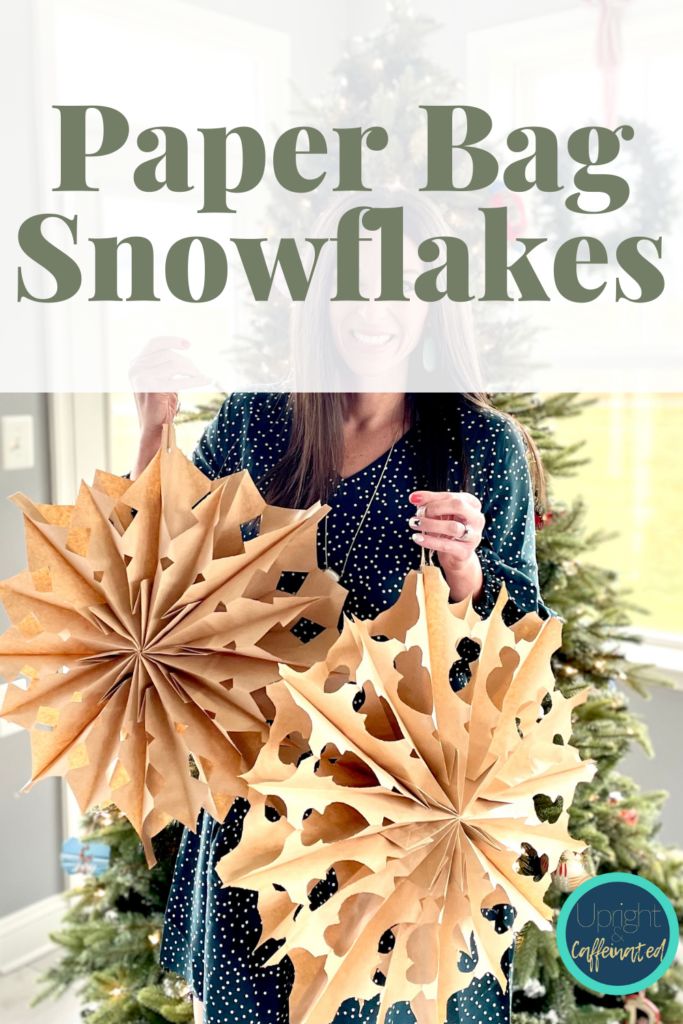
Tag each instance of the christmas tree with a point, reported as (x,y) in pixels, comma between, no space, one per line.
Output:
(111,932)
(611,814)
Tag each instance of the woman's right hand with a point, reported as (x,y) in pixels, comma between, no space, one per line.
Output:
(155,408)
(159,365)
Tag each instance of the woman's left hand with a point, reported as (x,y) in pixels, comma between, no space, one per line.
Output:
(452,523)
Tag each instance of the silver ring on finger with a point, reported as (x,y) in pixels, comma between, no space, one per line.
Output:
(466,531)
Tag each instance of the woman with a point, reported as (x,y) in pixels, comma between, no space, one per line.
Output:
(401,472)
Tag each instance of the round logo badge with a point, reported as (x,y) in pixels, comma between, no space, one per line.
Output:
(617,933)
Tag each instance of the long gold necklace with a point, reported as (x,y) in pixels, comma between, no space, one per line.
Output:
(337,576)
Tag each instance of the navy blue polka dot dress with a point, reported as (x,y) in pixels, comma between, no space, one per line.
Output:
(211,933)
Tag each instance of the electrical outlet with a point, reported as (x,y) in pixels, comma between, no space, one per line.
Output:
(17,442)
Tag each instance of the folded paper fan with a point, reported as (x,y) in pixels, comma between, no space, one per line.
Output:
(145,630)
(410,815)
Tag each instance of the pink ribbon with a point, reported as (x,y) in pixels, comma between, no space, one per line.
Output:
(608,51)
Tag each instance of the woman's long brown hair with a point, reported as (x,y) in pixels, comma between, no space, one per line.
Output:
(310,467)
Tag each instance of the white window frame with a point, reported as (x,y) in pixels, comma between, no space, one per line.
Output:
(518,52)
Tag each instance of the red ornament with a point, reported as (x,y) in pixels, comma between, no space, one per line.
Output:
(629,816)
(543,518)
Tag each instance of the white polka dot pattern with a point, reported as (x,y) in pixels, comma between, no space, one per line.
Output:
(211,932)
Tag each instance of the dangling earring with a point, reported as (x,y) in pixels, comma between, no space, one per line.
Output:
(429,354)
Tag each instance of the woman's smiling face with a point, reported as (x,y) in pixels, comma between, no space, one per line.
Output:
(375,338)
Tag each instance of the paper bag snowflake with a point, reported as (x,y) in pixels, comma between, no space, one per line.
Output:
(145,629)
(410,802)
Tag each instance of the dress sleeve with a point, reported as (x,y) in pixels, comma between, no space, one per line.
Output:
(507,552)
(218,451)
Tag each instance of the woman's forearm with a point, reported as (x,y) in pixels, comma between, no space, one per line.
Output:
(465,579)
(150,442)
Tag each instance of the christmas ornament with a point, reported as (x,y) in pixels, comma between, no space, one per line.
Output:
(145,629)
(417,797)
(629,815)
(89,858)
(608,51)
(542,519)
(571,871)
(641,1010)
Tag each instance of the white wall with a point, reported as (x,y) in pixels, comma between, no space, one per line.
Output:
(32,822)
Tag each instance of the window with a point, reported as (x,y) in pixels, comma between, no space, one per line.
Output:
(632,487)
